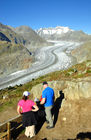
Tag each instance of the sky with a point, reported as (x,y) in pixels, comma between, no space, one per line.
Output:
(75,14)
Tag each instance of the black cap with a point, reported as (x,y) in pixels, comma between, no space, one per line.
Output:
(44,83)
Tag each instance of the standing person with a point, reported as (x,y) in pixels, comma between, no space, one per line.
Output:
(26,108)
(48,101)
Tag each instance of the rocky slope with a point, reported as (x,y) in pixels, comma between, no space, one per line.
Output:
(11,35)
(23,35)
(15,48)
(13,57)
(33,40)
(83,53)
(78,36)
(3,37)
(63,33)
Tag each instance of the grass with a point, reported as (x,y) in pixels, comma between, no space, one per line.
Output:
(14,93)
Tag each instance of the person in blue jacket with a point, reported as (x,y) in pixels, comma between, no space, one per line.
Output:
(48,101)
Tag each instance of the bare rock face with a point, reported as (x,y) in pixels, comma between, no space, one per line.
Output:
(73,90)
(77,90)
(56,85)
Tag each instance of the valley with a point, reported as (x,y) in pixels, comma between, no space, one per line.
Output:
(48,59)
(58,55)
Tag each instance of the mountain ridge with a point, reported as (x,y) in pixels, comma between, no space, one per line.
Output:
(33,40)
(53,30)
(11,35)
(25,40)
(16,47)
(63,33)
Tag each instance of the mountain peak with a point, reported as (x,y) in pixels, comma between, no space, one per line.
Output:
(23,28)
(54,30)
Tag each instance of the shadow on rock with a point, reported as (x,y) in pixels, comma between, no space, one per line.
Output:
(82,136)
(57,106)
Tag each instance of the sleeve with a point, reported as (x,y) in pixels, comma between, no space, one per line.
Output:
(41,98)
(19,103)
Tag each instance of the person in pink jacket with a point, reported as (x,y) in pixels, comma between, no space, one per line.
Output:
(27,108)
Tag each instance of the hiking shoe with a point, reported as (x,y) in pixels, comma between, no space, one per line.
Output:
(50,127)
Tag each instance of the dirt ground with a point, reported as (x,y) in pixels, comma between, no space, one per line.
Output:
(8,114)
(72,122)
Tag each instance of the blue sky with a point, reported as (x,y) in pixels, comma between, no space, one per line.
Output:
(75,14)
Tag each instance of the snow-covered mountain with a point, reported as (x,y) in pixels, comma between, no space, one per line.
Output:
(63,33)
(51,31)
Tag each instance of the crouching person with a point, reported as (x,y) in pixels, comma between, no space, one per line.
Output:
(27,108)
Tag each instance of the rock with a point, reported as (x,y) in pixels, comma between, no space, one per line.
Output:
(56,85)
(73,90)
(77,90)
